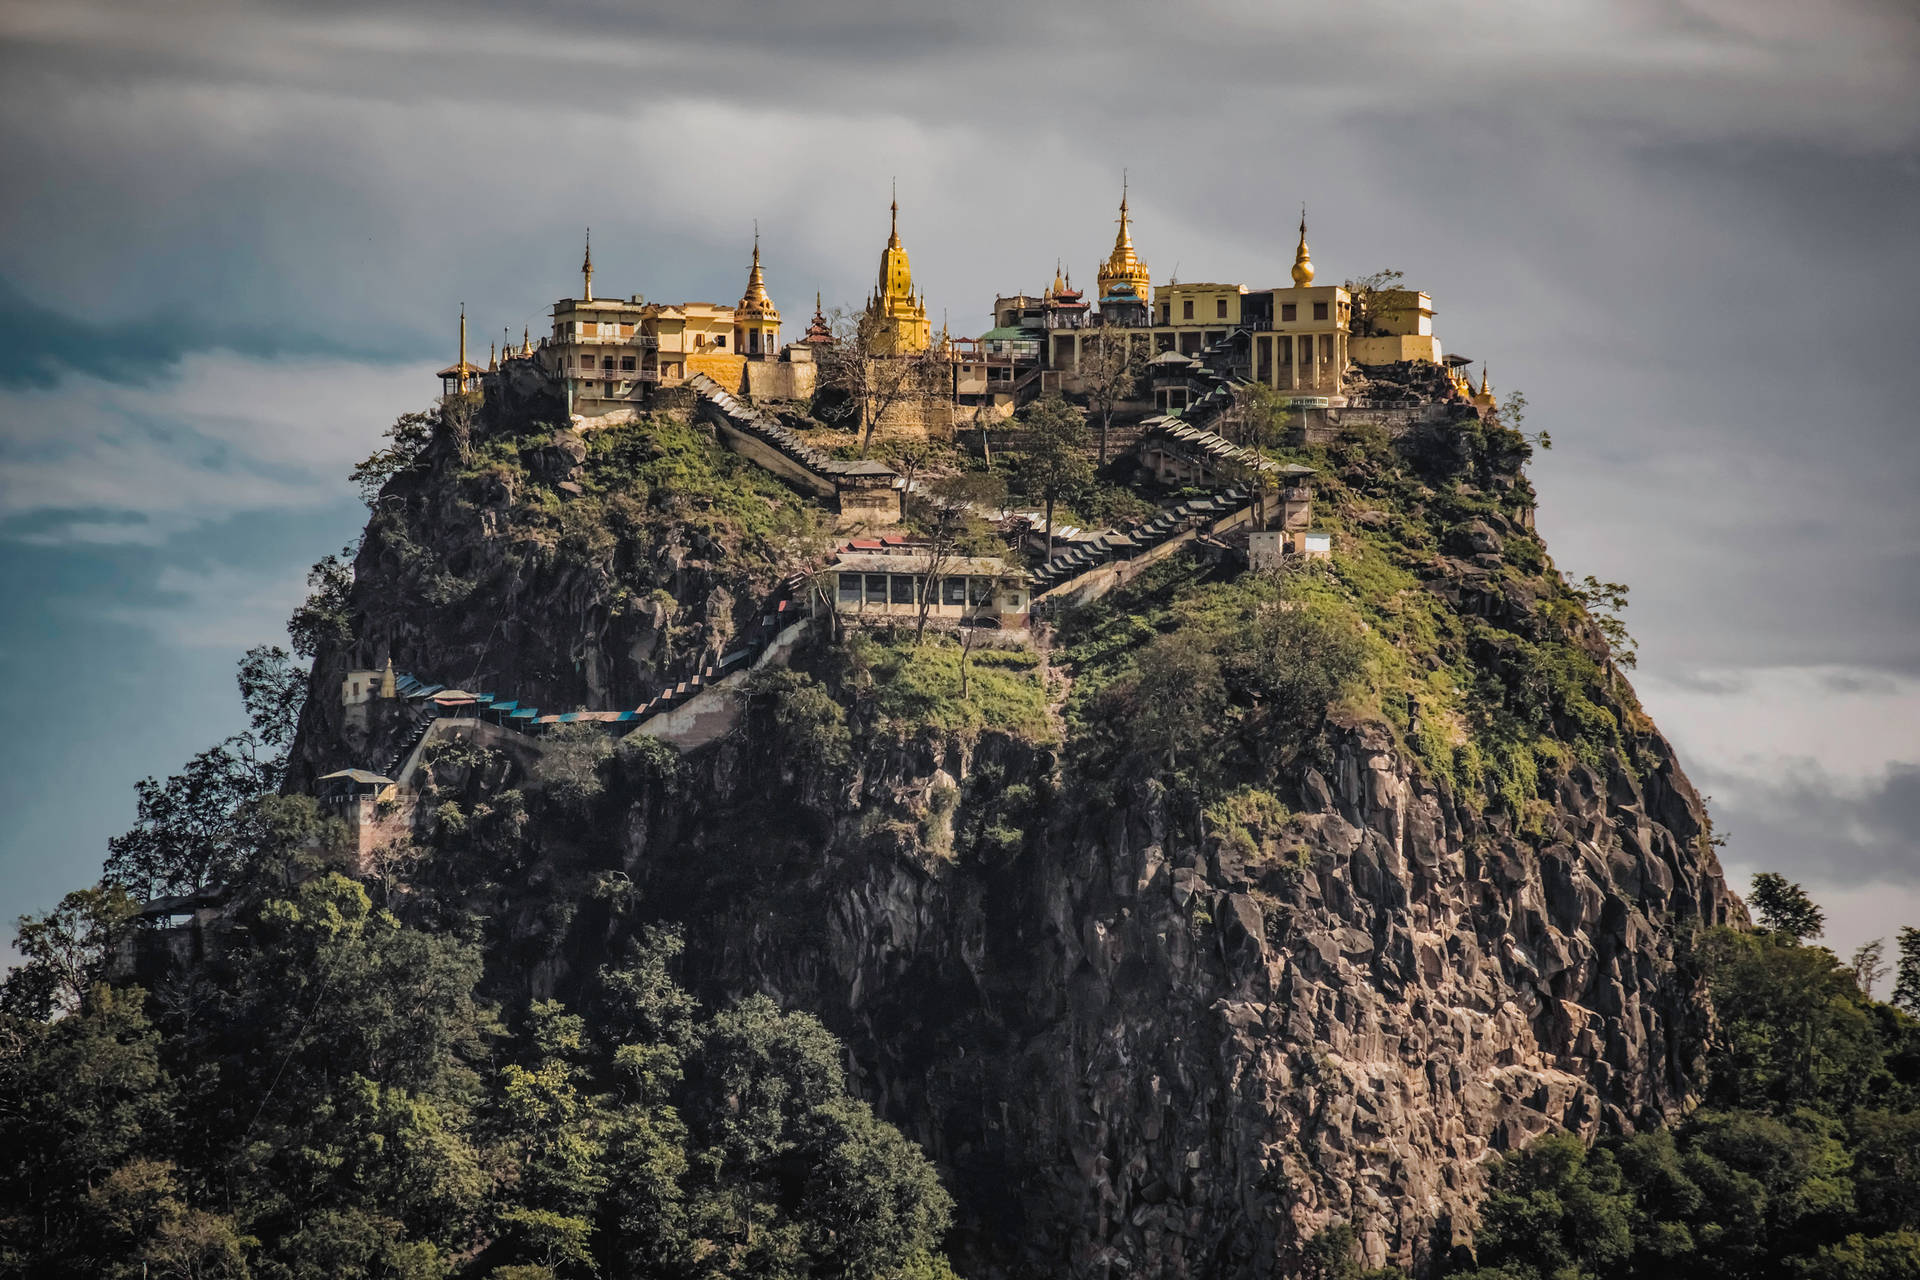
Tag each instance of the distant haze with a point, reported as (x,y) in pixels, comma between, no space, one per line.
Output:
(234,239)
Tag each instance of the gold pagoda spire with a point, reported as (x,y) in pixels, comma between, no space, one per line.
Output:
(1486,386)
(1124,268)
(1302,261)
(526,341)
(493,358)
(896,312)
(755,299)
(586,269)
(463,339)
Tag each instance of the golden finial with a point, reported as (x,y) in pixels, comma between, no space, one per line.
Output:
(463,336)
(893,236)
(586,267)
(1302,261)
(493,358)
(526,341)
(1486,387)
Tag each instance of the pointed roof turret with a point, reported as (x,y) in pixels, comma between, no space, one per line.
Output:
(1124,274)
(586,269)
(819,333)
(1302,261)
(526,341)
(755,302)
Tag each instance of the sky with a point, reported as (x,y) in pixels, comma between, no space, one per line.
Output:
(235,238)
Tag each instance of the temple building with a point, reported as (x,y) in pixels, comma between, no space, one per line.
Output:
(1298,338)
(756,321)
(895,320)
(1124,282)
(611,353)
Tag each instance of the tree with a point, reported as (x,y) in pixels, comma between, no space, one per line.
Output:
(1110,370)
(193,830)
(322,619)
(1375,298)
(1868,965)
(408,439)
(1259,415)
(871,379)
(1793,1028)
(1605,602)
(64,952)
(1784,908)
(1906,984)
(1053,463)
(273,688)
(951,513)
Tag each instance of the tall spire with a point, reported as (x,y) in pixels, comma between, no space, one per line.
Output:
(1123,276)
(893,235)
(463,344)
(755,301)
(1302,261)
(1486,387)
(586,268)
(526,341)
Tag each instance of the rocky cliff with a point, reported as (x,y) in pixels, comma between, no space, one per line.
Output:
(1141,1034)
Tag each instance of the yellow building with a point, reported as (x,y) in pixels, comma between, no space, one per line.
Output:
(608,352)
(895,321)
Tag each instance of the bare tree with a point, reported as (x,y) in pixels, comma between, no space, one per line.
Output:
(1376,298)
(952,507)
(1110,372)
(1870,965)
(872,379)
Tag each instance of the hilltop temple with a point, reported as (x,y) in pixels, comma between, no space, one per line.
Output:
(1311,341)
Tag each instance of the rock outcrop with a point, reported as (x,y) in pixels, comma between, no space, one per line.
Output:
(1136,1054)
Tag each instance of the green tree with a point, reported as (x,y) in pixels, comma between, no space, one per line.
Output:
(1906,979)
(407,443)
(1053,462)
(1793,1028)
(64,952)
(323,620)
(1560,1211)
(273,688)
(1784,907)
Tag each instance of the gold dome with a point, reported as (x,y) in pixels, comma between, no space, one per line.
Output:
(1302,262)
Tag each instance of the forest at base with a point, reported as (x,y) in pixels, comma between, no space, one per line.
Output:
(334,1097)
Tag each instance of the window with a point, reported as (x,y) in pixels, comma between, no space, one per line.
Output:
(606,362)
(979,591)
(1166,310)
(902,590)
(1186,309)
(849,588)
(1289,311)
(953,591)
(1219,308)
(719,339)
(1319,311)
(876,588)
(626,362)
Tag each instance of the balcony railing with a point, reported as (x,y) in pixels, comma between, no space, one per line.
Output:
(645,342)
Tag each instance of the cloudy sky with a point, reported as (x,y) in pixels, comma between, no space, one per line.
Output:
(234,238)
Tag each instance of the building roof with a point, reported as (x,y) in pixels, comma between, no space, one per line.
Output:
(358,775)
(980,566)
(1008,333)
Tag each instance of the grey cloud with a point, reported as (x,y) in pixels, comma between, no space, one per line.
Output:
(1813,827)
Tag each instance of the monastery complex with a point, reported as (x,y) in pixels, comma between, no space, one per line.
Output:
(1307,340)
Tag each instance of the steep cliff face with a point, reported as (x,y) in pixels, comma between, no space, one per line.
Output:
(1137,1055)
(1140,1035)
